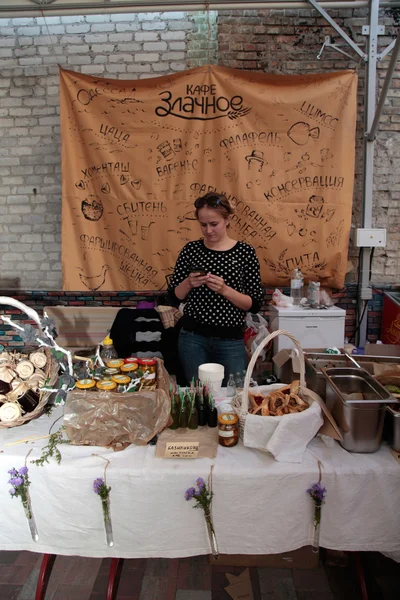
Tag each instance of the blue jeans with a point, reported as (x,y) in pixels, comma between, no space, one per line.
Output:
(196,349)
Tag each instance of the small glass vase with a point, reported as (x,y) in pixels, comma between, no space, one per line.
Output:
(31,519)
(107,522)
(316,528)
(211,536)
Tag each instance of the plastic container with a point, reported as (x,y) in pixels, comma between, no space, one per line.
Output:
(296,286)
(108,351)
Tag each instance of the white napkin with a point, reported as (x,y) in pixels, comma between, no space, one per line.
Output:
(286,437)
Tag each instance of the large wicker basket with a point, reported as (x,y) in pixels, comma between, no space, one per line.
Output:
(52,368)
(240,402)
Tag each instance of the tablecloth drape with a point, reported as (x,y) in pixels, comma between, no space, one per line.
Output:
(260,506)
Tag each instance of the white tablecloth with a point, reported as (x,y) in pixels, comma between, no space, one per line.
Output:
(260,506)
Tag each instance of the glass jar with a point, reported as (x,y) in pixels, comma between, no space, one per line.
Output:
(122,382)
(105,385)
(115,363)
(149,370)
(86,385)
(109,372)
(228,429)
(129,369)
(131,360)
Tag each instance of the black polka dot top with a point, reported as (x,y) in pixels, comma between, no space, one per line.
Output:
(206,311)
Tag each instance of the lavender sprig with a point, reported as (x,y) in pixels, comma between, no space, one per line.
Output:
(317,493)
(100,488)
(20,483)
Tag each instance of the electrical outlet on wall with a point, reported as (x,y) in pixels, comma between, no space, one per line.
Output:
(370,238)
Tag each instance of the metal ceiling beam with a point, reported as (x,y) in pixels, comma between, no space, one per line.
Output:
(38,8)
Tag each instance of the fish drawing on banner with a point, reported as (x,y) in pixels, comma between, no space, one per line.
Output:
(301,132)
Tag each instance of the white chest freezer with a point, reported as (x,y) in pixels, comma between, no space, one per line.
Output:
(311,327)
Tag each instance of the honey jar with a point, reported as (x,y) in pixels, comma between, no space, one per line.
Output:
(115,363)
(105,385)
(122,382)
(228,429)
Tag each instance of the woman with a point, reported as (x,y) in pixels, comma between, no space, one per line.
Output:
(219,280)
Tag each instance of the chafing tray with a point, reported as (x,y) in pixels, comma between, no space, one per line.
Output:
(357,403)
(391,431)
(315,361)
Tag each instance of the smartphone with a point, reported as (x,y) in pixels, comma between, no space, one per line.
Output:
(198,271)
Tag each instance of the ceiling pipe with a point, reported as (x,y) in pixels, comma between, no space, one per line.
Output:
(21,9)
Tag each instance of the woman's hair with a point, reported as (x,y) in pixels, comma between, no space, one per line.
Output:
(216,201)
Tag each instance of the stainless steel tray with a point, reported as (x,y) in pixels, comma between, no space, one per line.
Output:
(391,431)
(316,361)
(358,403)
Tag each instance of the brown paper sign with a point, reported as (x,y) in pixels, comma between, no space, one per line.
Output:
(181,450)
(136,154)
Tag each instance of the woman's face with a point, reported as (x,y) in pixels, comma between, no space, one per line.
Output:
(213,224)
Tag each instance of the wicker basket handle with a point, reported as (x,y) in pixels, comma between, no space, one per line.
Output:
(249,372)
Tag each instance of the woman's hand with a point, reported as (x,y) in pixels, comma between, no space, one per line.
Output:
(216,284)
(196,280)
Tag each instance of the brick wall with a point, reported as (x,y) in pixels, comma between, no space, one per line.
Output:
(346,299)
(130,46)
(288,41)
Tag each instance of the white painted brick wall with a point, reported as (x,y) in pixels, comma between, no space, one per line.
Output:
(126,46)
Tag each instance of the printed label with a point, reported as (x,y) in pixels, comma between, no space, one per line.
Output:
(226,433)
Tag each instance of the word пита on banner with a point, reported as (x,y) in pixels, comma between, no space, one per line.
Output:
(136,154)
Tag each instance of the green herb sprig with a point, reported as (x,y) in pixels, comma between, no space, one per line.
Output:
(51,450)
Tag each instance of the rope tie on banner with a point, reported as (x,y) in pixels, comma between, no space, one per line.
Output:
(49,34)
(207,6)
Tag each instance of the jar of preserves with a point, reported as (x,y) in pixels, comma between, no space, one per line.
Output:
(228,429)
(129,369)
(86,385)
(131,360)
(109,372)
(149,370)
(115,363)
(106,385)
(122,382)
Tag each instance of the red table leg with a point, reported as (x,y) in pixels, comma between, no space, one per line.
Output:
(360,575)
(45,570)
(115,562)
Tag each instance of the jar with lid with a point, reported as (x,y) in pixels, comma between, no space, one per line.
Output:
(115,363)
(105,385)
(149,370)
(129,369)
(86,385)
(228,429)
(122,382)
(109,372)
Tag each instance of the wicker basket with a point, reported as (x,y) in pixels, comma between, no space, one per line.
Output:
(52,368)
(240,402)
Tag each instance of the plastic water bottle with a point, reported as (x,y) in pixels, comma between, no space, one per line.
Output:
(231,386)
(108,352)
(296,286)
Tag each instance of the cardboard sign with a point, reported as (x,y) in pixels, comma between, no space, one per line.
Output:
(136,154)
(181,450)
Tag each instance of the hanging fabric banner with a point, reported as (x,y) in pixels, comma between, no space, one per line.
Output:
(136,154)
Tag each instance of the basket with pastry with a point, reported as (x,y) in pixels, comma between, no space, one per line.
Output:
(280,418)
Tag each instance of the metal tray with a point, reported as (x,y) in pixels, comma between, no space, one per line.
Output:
(360,420)
(391,430)
(316,361)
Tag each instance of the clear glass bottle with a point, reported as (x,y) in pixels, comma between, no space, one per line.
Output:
(231,386)
(108,352)
(296,286)
(239,380)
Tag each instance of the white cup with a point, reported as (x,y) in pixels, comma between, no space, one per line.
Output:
(212,374)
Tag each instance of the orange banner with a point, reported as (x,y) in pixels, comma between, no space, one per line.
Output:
(136,154)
